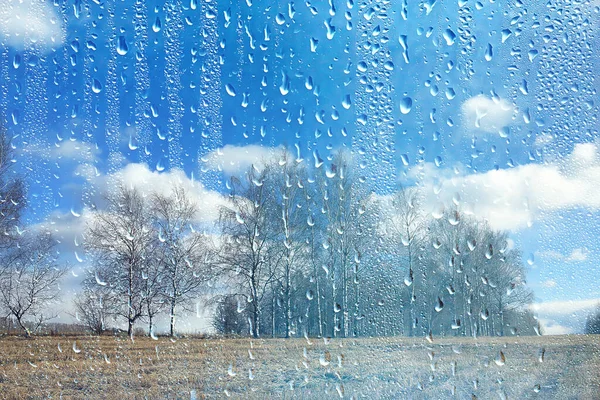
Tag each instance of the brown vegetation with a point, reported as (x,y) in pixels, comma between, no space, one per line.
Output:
(108,367)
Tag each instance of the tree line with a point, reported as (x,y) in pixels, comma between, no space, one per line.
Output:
(311,251)
(298,249)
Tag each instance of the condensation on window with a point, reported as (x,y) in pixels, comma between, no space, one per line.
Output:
(298,199)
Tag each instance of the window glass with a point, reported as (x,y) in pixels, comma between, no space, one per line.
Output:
(298,199)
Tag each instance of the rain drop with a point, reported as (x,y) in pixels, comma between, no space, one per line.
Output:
(406,105)
(96,86)
(122,48)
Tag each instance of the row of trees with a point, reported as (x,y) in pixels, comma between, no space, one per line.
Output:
(310,251)
(147,260)
(297,250)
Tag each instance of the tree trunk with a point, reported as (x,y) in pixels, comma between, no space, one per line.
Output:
(356,307)
(288,302)
(413,317)
(172,331)
(130,327)
(273,303)
(255,309)
(130,319)
(345,301)
(334,306)
(255,320)
(501,311)
(318,294)
(320,314)
(24,328)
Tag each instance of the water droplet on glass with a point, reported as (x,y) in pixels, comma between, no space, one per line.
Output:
(524,87)
(408,280)
(325,359)
(330,29)
(239,218)
(230,89)
(484,314)
(500,359)
(156,26)
(449,37)
(489,252)
(406,105)
(531,259)
(404,159)
(98,280)
(230,371)
(489,52)
(122,48)
(96,86)
(532,54)
(284,88)
(346,102)
(439,306)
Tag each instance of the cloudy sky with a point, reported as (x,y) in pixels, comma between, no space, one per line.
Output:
(496,112)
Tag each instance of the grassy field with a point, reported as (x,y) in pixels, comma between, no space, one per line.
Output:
(549,367)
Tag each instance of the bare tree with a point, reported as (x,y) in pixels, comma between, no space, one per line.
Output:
(12,195)
(315,248)
(184,254)
(94,306)
(287,181)
(153,291)
(229,318)
(122,242)
(248,255)
(478,278)
(29,282)
(506,279)
(344,203)
(404,227)
(314,241)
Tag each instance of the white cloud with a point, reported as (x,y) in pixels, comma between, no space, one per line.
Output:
(578,255)
(235,159)
(68,230)
(28,24)
(543,139)
(487,114)
(512,199)
(550,283)
(567,307)
(75,150)
(550,254)
(564,317)
(69,227)
(550,327)
(139,176)
(67,150)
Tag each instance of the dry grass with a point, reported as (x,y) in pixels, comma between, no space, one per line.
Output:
(392,368)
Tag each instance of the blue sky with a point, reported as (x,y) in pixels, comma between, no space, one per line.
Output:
(503,110)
